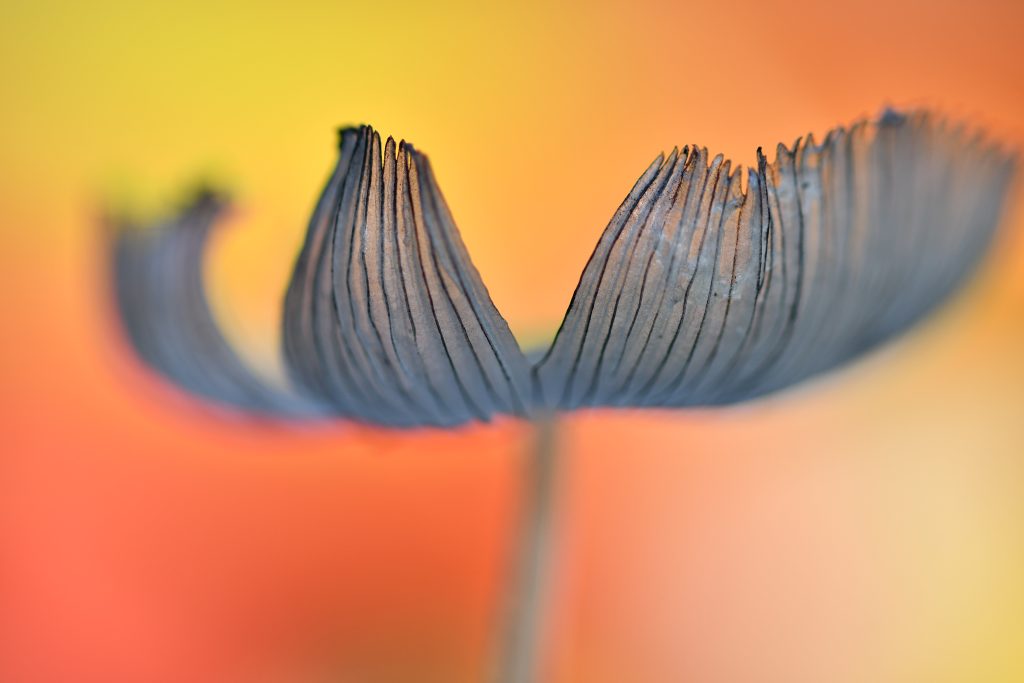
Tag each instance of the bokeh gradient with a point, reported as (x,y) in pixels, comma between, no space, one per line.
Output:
(866,527)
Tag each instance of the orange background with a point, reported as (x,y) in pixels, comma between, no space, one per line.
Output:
(867,527)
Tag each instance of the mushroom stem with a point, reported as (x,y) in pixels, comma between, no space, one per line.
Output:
(522,645)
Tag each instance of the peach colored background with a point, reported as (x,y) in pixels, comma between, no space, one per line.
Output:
(868,527)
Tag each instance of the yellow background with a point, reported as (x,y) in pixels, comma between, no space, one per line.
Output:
(868,527)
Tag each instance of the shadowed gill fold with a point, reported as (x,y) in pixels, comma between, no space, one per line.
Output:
(386,319)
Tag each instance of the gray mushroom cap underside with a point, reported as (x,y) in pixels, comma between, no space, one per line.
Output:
(711,284)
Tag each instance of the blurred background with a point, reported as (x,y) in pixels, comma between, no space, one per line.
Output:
(866,527)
